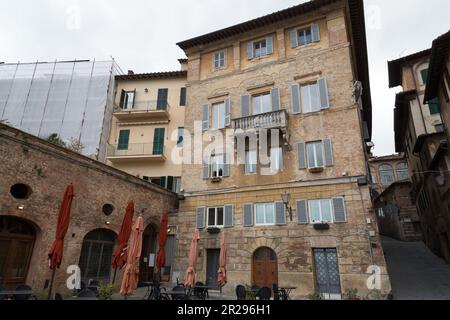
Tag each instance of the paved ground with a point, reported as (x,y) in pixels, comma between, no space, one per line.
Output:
(415,272)
(139,294)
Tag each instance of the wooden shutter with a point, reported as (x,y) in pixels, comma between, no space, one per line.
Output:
(122,99)
(228,219)
(183,97)
(124,137)
(302,212)
(162,99)
(205,168)
(328,152)
(301,156)
(227,112)
(158,141)
(295,99)
(248,215)
(226,165)
(162,182)
(315,32)
(134,98)
(280,215)
(323,89)
(275,96)
(339,210)
(201,218)
(170,183)
(269,45)
(294,38)
(245,106)
(205,123)
(250,50)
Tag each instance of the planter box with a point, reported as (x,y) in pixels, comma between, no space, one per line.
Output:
(213,230)
(321,226)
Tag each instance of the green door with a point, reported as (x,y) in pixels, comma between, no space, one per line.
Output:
(124,137)
(158,141)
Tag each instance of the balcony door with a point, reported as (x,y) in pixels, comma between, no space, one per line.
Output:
(327,273)
(158,141)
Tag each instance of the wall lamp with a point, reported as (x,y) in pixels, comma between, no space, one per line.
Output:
(286,197)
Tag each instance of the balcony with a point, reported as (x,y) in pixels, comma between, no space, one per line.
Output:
(270,120)
(135,152)
(142,110)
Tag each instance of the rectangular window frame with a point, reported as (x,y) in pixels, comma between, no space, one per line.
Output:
(251,168)
(320,201)
(265,204)
(260,48)
(220,62)
(276,159)
(180,136)
(216,165)
(315,154)
(310,86)
(219,116)
(303,32)
(263,97)
(216,214)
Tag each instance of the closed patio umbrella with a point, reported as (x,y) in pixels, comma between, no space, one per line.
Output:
(161,256)
(131,275)
(189,278)
(222,274)
(120,253)
(56,251)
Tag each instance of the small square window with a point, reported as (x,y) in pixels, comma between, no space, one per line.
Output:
(304,36)
(219,59)
(260,48)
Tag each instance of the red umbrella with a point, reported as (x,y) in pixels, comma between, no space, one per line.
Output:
(161,257)
(222,277)
(130,278)
(56,251)
(120,253)
(189,278)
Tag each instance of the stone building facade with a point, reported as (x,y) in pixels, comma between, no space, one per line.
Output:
(35,175)
(294,72)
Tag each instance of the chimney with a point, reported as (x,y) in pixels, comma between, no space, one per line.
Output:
(130,72)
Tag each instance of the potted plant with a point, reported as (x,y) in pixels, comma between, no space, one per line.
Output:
(105,292)
(352,294)
(316,296)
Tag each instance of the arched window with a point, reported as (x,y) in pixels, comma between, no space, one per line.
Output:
(402,171)
(386,174)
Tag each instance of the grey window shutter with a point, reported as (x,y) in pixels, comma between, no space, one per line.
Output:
(228,209)
(248,215)
(323,88)
(315,31)
(205,123)
(294,38)
(227,112)
(295,98)
(201,218)
(269,45)
(245,106)
(134,97)
(301,156)
(250,50)
(328,152)
(302,212)
(205,169)
(226,166)
(280,215)
(339,210)
(276,102)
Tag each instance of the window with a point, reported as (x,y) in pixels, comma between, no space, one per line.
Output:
(219,114)
(250,162)
(380,213)
(158,141)
(424,75)
(276,159)
(260,48)
(162,99)
(433,105)
(304,36)
(215,217)
(320,211)
(265,214)
(183,97)
(386,174)
(219,59)
(127,99)
(314,154)
(177,185)
(217,166)
(262,103)
(402,171)
(310,97)
(124,137)
(180,137)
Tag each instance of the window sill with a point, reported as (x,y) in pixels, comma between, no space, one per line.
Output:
(316,170)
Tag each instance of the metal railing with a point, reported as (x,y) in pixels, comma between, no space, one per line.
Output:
(144,106)
(274,119)
(135,149)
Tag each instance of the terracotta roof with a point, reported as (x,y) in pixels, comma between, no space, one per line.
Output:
(439,51)
(154,75)
(395,67)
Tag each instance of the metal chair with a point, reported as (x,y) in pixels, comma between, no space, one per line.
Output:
(279,294)
(200,293)
(264,293)
(23,287)
(179,296)
(86,293)
(241,293)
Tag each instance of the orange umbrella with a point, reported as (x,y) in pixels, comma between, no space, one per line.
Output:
(161,257)
(189,278)
(56,251)
(120,253)
(222,278)
(130,277)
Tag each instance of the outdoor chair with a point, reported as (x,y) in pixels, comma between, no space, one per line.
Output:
(264,293)
(86,293)
(200,293)
(241,293)
(279,294)
(23,287)
(182,293)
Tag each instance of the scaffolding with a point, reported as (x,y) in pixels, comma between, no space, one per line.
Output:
(74,99)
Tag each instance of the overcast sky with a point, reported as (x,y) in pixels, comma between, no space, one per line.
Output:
(142,35)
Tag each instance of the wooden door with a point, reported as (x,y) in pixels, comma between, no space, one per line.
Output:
(212,267)
(265,268)
(148,248)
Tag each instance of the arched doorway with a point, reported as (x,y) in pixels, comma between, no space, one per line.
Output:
(96,255)
(264,268)
(17,239)
(148,254)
